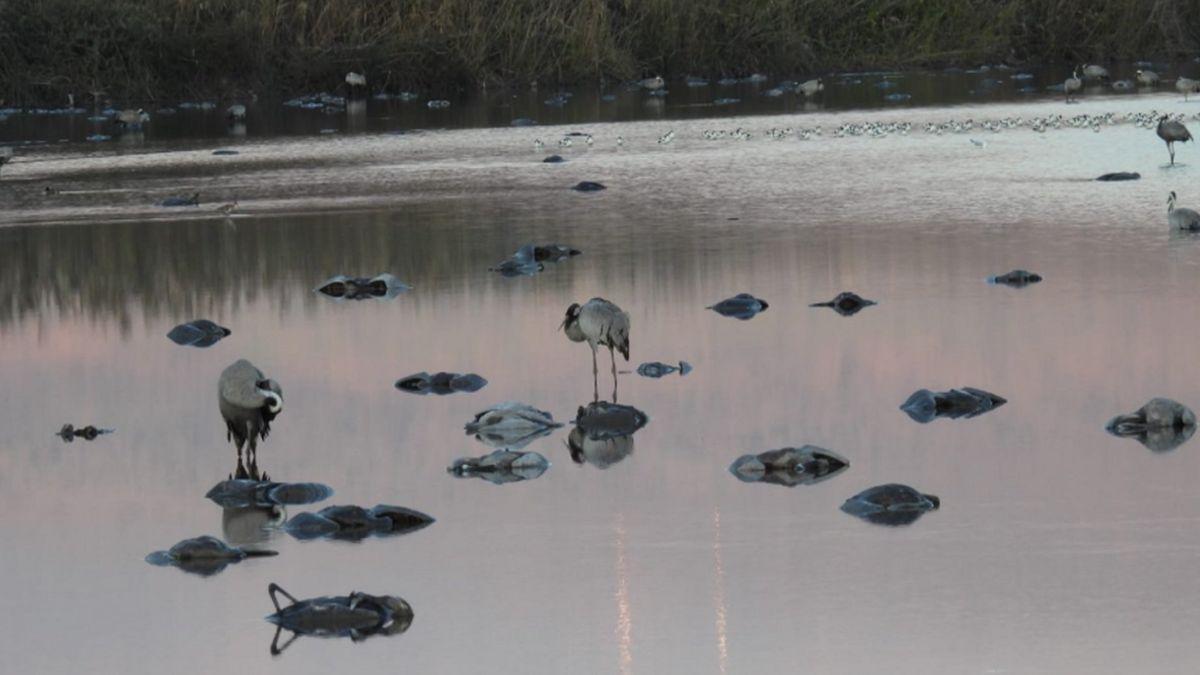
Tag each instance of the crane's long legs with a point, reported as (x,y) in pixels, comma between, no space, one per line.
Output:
(613,356)
(595,377)
(1171,149)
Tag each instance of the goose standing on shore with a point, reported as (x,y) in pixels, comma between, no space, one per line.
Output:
(1181,218)
(1172,132)
(249,401)
(599,322)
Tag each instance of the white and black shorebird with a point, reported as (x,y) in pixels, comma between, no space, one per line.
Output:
(1172,132)
(599,323)
(249,401)
(1181,218)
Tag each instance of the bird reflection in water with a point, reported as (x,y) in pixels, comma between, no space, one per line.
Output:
(253,506)
(603,433)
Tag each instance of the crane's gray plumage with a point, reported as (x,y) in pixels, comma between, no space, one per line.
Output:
(1072,84)
(1172,132)
(1186,85)
(1181,218)
(249,402)
(1095,72)
(599,323)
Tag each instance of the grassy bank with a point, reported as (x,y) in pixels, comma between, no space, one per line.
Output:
(149,49)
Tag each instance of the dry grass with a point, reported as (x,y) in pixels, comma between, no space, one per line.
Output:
(167,48)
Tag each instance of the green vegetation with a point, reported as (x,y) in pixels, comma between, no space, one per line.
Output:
(169,48)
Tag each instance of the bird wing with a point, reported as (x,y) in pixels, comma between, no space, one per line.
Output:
(239,385)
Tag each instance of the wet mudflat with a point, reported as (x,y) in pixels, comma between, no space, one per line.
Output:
(1057,547)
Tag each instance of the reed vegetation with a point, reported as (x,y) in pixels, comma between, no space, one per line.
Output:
(150,49)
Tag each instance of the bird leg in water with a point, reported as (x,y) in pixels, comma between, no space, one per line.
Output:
(613,356)
(1171,149)
(595,377)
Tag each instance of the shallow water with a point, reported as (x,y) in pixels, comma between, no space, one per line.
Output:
(1057,548)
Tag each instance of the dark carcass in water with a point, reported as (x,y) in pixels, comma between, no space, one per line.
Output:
(69,433)
(198,333)
(203,555)
(501,466)
(846,303)
(890,504)
(1160,425)
(790,466)
(511,425)
(1015,279)
(355,522)
(741,306)
(383,286)
(924,405)
(357,616)
(657,369)
(244,493)
(440,383)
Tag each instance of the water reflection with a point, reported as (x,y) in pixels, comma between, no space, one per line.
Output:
(603,433)
(357,616)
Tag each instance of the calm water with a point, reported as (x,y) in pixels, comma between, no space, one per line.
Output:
(1058,548)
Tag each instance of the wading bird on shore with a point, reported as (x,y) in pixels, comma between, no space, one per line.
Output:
(1072,84)
(599,323)
(1172,132)
(1181,218)
(1186,85)
(1147,78)
(249,401)
(1092,71)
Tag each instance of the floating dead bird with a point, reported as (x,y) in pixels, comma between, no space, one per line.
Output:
(742,306)
(1015,279)
(194,200)
(603,433)
(553,159)
(440,383)
(657,369)
(1160,425)
(381,287)
(203,555)
(511,425)
(890,504)
(501,466)
(554,252)
(789,466)
(89,433)
(846,303)
(924,405)
(357,616)
(198,333)
(356,523)
(245,493)
(522,263)
(589,186)
(1119,176)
